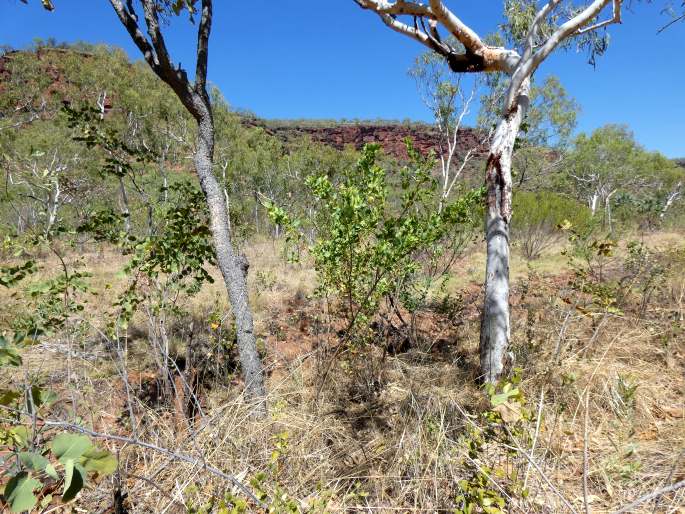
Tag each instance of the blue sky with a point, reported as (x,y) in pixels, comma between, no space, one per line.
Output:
(296,59)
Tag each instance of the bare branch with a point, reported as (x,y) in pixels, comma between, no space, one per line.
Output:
(153,29)
(174,455)
(464,34)
(405,29)
(533,31)
(616,18)
(396,8)
(129,20)
(478,56)
(570,28)
(563,32)
(651,496)
(203,32)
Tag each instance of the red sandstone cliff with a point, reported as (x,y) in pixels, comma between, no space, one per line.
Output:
(390,136)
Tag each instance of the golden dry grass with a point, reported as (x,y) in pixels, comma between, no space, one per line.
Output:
(405,448)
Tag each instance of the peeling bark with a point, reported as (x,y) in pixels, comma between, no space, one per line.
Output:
(495,326)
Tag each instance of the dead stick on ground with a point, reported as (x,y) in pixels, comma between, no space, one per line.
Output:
(535,438)
(537,468)
(178,456)
(586,465)
(651,496)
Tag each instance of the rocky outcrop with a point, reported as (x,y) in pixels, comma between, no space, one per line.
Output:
(391,136)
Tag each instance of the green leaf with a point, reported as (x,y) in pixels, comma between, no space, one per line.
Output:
(70,447)
(36,462)
(19,492)
(42,396)
(45,501)
(8,396)
(21,435)
(9,356)
(74,478)
(498,399)
(99,461)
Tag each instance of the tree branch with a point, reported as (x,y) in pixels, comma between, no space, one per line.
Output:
(203,33)
(396,8)
(615,18)
(651,496)
(533,31)
(129,20)
(478,57)
(563,32)
(464,34)
(169,453)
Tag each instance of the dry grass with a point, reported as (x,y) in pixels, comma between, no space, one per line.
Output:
(392,433)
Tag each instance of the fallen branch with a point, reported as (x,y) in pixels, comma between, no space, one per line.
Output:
(177,456)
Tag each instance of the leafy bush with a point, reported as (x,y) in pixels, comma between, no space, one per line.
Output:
(370,234)
(36,462)
(536,216)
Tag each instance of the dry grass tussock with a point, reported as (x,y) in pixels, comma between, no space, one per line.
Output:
(600,423)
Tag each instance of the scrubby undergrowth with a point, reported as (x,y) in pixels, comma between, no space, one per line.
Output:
(592,412)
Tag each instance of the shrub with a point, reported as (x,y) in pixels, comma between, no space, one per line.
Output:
(536,216)
(374,229)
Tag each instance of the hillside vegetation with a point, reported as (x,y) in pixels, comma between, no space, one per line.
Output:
(365,276)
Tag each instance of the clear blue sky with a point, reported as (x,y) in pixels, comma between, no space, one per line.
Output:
(296,59)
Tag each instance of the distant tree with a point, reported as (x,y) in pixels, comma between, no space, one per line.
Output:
(534,32)
(609,168)
(195,98)
(449,102)
(603,163)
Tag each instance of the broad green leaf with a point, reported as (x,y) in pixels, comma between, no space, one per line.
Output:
(99,461)
(70,447)
(500,398)
(20,435)
(68,475)
(33,461)
(74,478)
(42,396)
(19,492)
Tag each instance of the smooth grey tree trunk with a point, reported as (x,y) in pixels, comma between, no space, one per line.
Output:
(495,328)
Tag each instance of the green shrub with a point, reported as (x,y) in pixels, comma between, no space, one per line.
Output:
(536,216)
(375,228)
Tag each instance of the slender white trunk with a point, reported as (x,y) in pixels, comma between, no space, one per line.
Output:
(670,199)
(607,211)
(592,204)
(125,211)
(495,327)
(53,203)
